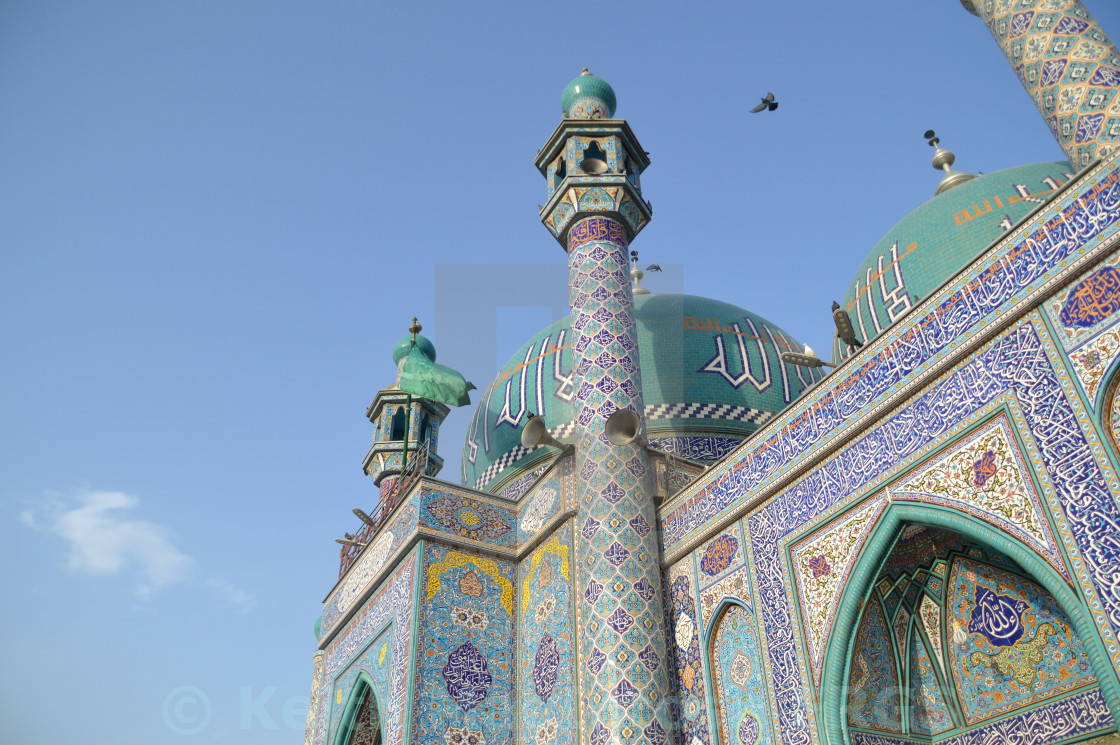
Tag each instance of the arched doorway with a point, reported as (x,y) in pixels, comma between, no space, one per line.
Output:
(1003,577)
(361,719)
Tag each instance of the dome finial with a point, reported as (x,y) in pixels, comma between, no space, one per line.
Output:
(942,160)
(636,275)
(585,72)
(415,329)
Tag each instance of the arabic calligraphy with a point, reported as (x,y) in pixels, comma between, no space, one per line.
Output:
(1093,299)
(999,618)
(1022,194)
(596,229)
(984,468)
(719,555)
(719,363)
(546,663)
(467,677)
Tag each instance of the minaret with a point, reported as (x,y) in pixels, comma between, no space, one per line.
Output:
(392,413)
(595,208)
(1069,67)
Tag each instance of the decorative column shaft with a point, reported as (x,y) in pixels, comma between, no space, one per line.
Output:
(622,645)
(1068,65)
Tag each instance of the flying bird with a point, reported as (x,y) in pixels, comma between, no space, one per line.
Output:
(653,268)
(844,328)
(768,102)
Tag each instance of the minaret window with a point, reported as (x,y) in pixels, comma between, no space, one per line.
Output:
(396,432)
(594,160)
(423,428)
(561,173)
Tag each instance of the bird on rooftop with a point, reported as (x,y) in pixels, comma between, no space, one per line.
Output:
(768,102)
(653,268)
(844,329)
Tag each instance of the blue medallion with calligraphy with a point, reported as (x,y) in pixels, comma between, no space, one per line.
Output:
(999,618)
(1093,299)
(468,680)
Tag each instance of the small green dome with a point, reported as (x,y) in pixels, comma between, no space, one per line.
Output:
(400,349)
(588,97)
(318,628)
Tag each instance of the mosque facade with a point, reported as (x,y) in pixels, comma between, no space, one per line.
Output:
(673,527)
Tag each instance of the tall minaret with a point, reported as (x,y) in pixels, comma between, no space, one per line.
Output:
(595,208)
(1068,65)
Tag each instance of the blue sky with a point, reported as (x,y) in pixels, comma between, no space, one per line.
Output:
(217,217)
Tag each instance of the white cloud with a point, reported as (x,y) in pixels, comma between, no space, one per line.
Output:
(102,542)
(242,599)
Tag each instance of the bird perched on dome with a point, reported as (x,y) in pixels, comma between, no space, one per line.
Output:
(844,329)
(768,103)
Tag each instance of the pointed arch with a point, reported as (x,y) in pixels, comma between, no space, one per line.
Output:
(739,675)
(363,690)
(838,651)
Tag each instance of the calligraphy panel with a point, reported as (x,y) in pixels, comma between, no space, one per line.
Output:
(1011,645)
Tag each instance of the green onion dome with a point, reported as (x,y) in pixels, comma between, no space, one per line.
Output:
(935,241)
(400,349)
(588,97)
(711,375)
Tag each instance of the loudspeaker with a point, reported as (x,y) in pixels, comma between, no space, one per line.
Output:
(536,433)
(623,427)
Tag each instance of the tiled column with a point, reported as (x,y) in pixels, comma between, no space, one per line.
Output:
(1068,65)
(622,645)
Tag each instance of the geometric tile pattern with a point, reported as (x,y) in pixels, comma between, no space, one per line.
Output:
(1014,363)
(468,517)
(873,686)
(684,652)
(1093,359)
(997,672)
(465,672)
(928,715)
(930,613)
(986,475)
(821,565)
(1069,67)
(621,615)
(738,682)
(546,642)
(735,586)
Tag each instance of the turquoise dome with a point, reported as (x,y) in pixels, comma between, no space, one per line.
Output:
(400,349)
(588,97)
(694,384)
(935,241)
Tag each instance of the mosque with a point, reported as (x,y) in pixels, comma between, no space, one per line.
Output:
(673,527)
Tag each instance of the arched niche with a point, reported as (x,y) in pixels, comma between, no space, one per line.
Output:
(838,652)
(738,691)
(360,723)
